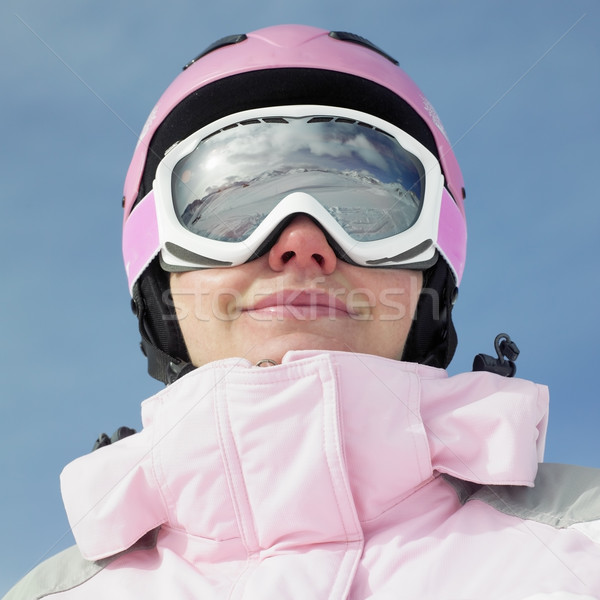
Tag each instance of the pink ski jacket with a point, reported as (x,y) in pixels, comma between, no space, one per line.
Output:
(333,475)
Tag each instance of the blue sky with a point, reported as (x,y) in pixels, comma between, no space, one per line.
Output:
(517,85)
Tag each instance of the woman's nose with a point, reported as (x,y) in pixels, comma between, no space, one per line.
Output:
(303,245)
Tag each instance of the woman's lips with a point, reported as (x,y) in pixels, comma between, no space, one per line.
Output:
(301,305)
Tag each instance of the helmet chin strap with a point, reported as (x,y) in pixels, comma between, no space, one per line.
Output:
(432,339)
(161,338)
(161,366)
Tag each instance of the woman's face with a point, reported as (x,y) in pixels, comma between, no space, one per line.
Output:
(298,296)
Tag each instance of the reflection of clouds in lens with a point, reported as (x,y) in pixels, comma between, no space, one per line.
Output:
(356,145)
(248,153)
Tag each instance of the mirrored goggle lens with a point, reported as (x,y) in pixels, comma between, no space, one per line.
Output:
(363,177)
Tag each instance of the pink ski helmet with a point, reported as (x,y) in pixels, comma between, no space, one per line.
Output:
(273,67)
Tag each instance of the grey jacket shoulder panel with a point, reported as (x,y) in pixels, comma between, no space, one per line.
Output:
(563,495)
(67,570)
(61,572)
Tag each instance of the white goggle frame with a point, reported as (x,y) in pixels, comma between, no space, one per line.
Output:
(182,250)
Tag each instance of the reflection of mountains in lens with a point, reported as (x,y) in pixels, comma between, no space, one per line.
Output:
(233,211)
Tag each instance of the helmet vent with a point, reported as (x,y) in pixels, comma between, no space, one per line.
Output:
(224,41)
(344,36)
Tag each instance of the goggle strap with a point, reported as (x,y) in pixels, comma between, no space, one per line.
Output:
(141,240)
(452,234)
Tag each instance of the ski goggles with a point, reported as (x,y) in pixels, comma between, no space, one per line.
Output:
(222,196)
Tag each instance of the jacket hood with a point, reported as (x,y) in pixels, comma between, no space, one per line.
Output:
(300,453)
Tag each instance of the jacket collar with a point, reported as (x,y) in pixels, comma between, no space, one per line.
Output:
(302,452)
